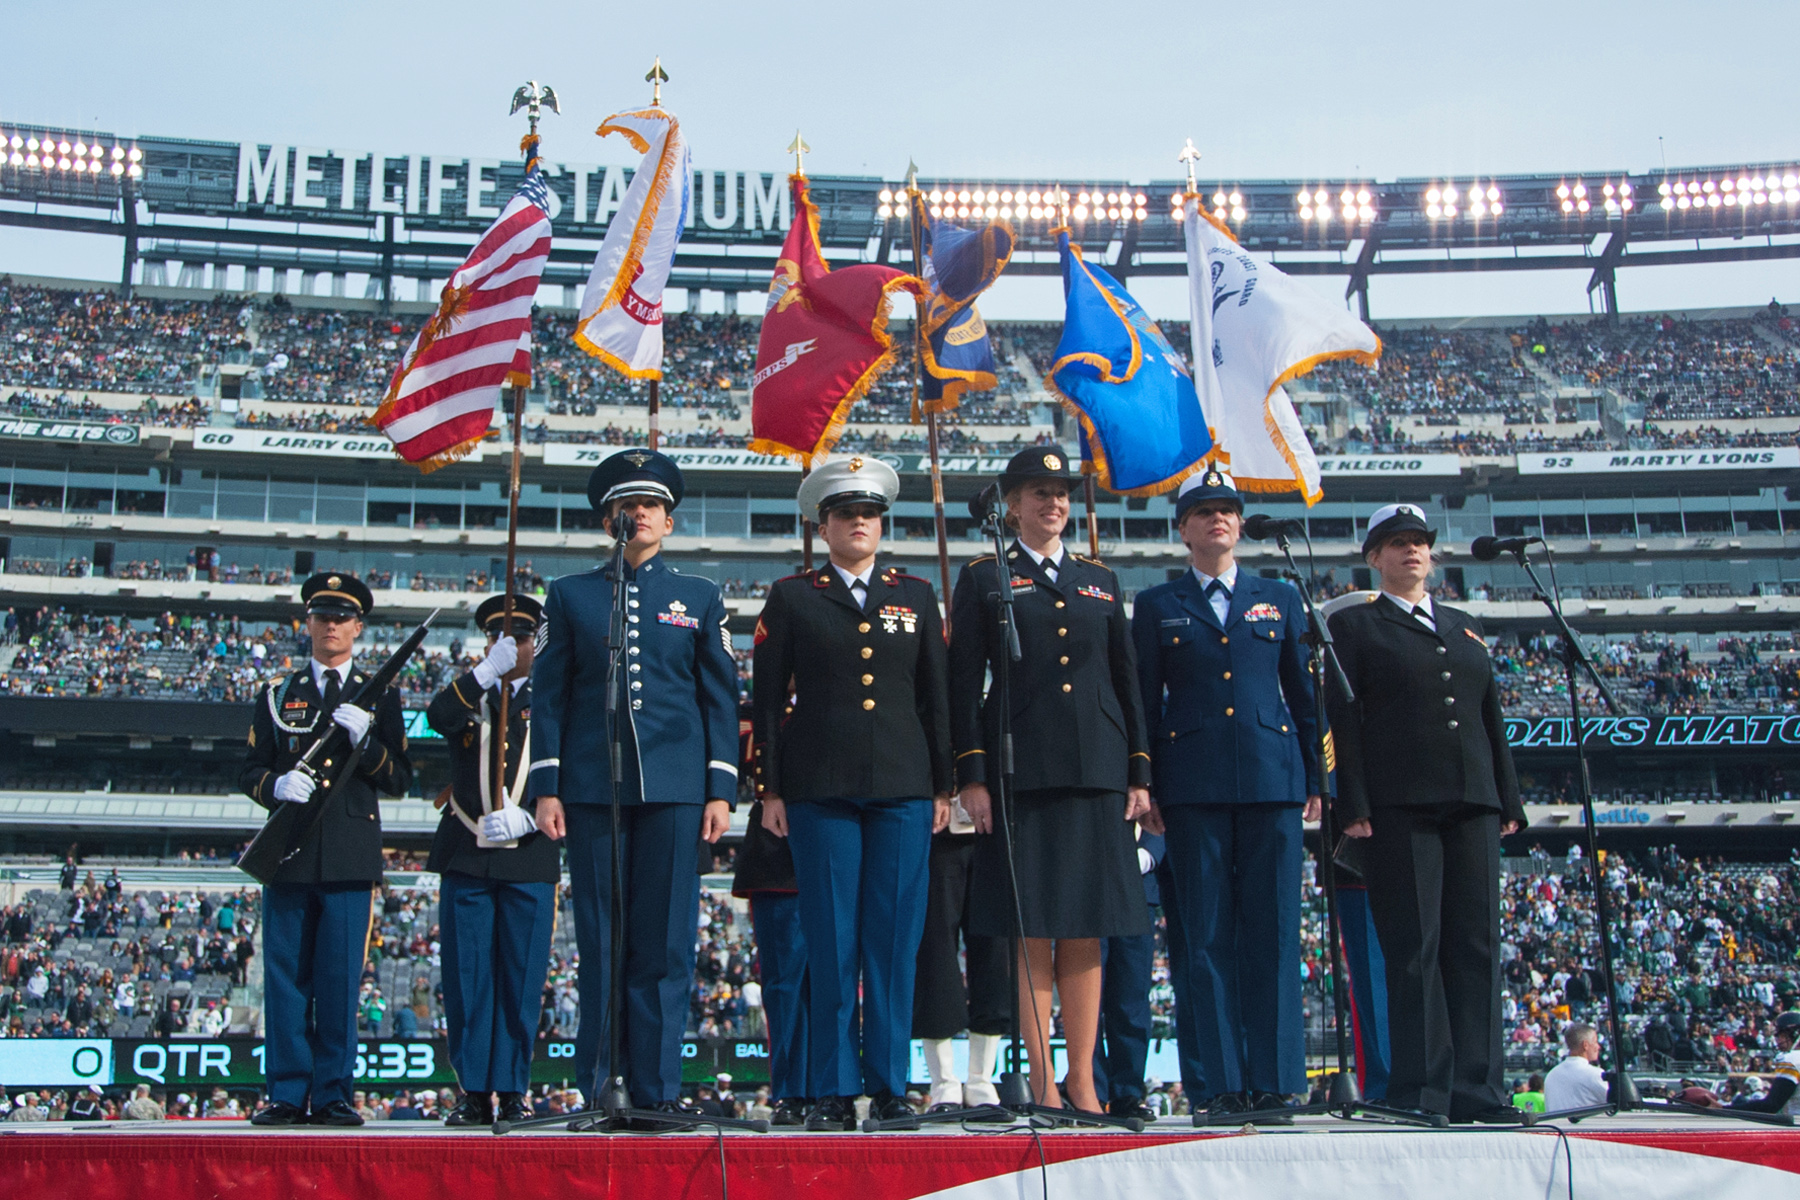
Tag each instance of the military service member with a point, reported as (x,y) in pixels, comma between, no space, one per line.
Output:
(497,900)
(850,776)
(316,912)
(678,771)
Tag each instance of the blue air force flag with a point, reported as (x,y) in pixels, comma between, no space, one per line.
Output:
(1143,430)
(1254,329)
(957,265)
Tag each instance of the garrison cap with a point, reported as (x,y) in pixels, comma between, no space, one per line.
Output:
(337,593)
(858,479)
(1035,462)
(635,472)
(1391,519)
(526,614)
(1211,484)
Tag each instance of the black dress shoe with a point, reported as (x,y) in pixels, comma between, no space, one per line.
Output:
(337,1113)
(513,1108)
(790,1111)
(279,1114)
(1266,1106)
(1132,1108)
(889,1107)
(1227,1104)
(474,1112)
(832,1114)
(1493,1114)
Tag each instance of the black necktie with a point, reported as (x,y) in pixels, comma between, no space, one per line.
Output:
(332,689)
(1215,587)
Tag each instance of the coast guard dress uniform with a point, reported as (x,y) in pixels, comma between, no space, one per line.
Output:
(1422,756)
(497,899)
(316,913)
(1224,680)
(678,736)
(856,764)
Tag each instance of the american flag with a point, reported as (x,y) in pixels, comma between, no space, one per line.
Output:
(441,400)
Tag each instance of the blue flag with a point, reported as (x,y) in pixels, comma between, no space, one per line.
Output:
(957,265)
(1143,430)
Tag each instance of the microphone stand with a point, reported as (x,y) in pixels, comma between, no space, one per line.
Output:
(1344,1099)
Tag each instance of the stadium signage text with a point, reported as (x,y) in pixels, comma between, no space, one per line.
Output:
(1726,731)
(1416,465)
(289,443)
(68,431)
(1590,462)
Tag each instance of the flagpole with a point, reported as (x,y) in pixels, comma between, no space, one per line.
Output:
(656,78)
(916,214)
(1093,520)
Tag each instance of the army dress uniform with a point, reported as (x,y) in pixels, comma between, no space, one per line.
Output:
(1422,756)
(857,761)
(497,899)
(678,735)
(316,912)
(1233,726)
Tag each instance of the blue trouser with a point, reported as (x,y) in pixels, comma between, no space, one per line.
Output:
(781,969)
(1193,1076)
(496,950)
(862,866)
(1123,1046)
(1368,989)
(659,849)
(314,939)
(1237,885)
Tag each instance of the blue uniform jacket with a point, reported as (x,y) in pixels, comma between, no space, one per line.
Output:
(681,680)
(1230,708)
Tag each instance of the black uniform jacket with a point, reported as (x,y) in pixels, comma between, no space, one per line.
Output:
(345,846)
(461,712)
(1077,716)
(1426,730)
(870,716)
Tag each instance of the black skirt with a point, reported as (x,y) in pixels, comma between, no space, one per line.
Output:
(1076,860)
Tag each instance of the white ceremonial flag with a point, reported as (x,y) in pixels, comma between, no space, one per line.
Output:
(1254,329)
(622,308)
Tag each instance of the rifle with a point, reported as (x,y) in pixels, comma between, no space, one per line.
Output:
(290,825)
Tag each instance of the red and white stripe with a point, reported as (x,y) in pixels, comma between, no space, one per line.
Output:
(441,401)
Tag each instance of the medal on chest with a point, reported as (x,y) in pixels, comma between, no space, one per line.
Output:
(677,615)
(897,616)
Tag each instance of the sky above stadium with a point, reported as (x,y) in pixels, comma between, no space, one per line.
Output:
(1304,88)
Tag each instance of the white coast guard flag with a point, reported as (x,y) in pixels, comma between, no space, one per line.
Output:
(622,308)
(1254,329)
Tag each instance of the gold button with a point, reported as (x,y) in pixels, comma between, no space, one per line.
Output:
(1223,639)
(868,652)
(1228,674)
(1176,642)
(1068,687)
(1065,660)
(868,704)
(1230,712)
(868,679)
(863,628)
(1171,735)
(1062,633)
(1060,604)
(1284,729)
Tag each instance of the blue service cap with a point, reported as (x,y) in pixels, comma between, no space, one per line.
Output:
(638,471)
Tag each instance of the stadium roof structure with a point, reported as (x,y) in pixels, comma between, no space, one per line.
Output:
(397,216)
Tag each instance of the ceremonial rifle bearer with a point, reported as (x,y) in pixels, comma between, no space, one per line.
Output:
(678,734)
(857,777)
(316,912)
(497,903)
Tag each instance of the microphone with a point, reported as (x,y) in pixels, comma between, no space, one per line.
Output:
(624,526)
(1487,549)
(984,505)
(1260,527)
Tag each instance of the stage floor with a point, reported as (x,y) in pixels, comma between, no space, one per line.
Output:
(1642,1156)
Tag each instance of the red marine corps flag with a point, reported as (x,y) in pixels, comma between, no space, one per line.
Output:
(824,341)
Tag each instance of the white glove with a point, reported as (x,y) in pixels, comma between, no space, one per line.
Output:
(509,824)
(296,787)
(352,720)
(502,657)
(1146,861)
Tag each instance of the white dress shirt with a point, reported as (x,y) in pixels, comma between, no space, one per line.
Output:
(858,584)
(1421,611)
(1051,566)
(318,674)
(1220,600)
(1574,1083)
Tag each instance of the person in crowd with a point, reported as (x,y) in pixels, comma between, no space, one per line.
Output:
(1783,1095)
(1224,682)
(316,912)
(1577,1081)
(142,1106)
(1425,773)
(677,733)
(855,773)
(1080,765)
(497,899)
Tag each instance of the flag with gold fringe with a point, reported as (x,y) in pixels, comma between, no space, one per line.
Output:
(824,341)
(621,320)
(1254,329)
(440,403)
(956,355)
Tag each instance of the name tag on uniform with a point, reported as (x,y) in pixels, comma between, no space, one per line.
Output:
(893,616)
(1176,621)
(1263,612)
(676,615)
(1096,593)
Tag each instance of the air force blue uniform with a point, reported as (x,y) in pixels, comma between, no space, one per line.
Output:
(679,732)
(1234,724)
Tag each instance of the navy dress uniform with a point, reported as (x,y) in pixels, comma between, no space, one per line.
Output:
(678,738)
(1234,723)
(497,898)
(856,764)
(1122,1050)
(1422,756)
(317,911)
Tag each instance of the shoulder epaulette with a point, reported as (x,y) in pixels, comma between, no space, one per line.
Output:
(796,575)
(976,561)
(1091,561)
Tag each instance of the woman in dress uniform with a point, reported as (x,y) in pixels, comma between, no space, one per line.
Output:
(1424,773)
(1081,765)
(850,777)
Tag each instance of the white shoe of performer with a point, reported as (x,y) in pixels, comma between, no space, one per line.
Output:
(940,1061)
(984,1053)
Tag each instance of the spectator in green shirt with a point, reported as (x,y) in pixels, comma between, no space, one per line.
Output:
(1531,1098)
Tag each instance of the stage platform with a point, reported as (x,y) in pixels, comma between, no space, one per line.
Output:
(1641,1157)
